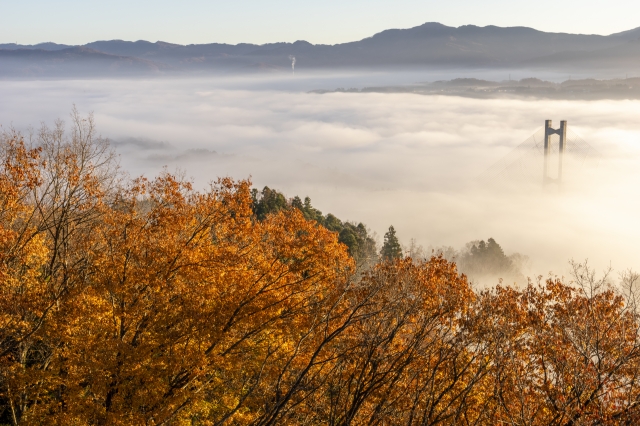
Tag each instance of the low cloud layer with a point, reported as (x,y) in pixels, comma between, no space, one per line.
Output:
(401,159)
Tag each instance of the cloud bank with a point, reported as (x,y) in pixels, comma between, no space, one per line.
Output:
(407,160)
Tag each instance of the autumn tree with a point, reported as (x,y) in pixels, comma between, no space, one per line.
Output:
(63,180)
(409,359)
(146,301)
(24,302)
(565,354)
(148,295)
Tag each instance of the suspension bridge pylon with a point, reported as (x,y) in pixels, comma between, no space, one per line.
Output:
(562,133)
(540,152)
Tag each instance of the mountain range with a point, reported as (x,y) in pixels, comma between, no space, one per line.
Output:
(431,45)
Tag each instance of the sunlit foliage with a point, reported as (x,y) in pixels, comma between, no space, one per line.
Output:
(144,301)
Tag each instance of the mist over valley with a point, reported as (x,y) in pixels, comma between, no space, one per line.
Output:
(382,159)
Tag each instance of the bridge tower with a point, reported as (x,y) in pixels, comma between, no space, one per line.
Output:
(548,131)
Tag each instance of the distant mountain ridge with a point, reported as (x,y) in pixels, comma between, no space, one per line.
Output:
(428,45)
(527,88)
(76,62)
(42,46)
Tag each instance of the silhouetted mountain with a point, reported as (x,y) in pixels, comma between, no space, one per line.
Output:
(72,62)
(633,34)
(41,46)
(428,45)
(585,89)
(625,56)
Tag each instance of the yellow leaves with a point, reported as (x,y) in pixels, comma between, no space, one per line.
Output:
(563,351)
(148,302)
(181,289)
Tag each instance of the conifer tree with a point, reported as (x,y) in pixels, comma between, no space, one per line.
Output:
(391,248)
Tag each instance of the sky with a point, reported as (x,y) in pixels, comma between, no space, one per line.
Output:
(319,22)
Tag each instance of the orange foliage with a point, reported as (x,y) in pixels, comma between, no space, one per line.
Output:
(148,302)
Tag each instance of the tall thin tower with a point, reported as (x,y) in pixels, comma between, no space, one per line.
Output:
(548,131)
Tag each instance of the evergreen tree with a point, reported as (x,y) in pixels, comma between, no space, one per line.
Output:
(486,258)
(332,223)
(267,202)
(361,245)
(391,248)
(312,213)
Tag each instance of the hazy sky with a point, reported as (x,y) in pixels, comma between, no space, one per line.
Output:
(260,21)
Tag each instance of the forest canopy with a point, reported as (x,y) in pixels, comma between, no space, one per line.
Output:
(360,244)
(144,301)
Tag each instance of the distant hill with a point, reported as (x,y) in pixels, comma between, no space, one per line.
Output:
(625,56)
(633,34)
(584,89)
(428,45)
(41,46)
(72,62)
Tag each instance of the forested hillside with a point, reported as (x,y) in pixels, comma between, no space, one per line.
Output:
(361,245)
(146,302)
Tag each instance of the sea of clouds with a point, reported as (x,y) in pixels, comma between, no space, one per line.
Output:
(408,160)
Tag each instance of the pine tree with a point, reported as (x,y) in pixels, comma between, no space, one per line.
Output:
(391,248)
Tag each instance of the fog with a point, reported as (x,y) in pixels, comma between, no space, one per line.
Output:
(408,160)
